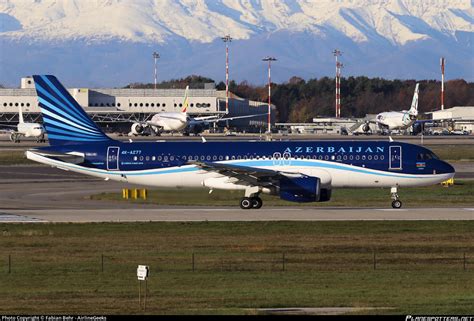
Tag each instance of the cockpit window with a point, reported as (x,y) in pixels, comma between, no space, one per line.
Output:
(433,155)
(426,156)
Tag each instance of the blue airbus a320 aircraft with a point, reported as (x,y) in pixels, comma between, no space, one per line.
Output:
(298,171)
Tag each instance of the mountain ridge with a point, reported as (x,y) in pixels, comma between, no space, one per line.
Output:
(376,36)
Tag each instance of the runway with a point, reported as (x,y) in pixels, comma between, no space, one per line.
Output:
(42,194)
(233,214)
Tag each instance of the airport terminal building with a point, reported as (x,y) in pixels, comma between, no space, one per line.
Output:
(118,108)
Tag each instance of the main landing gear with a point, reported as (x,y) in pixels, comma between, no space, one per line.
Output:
(248,203)
(251,199)
(396,203)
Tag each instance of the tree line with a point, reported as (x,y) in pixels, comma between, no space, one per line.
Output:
(298,100)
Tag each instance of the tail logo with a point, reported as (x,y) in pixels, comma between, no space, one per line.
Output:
(64,119)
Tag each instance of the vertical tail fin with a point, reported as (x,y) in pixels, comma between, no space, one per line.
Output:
(186,100)
(20,115)
(64,119)
(414,103)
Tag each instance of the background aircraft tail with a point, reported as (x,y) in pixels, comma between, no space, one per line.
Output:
(414,104)
(185,102)
(64,119)
(20,115)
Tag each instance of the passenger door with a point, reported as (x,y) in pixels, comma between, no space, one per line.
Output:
(395,157)
(113,158)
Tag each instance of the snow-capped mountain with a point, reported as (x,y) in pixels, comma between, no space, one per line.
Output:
(110,42)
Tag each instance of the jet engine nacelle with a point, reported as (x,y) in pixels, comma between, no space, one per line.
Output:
(300,189)
(138,129)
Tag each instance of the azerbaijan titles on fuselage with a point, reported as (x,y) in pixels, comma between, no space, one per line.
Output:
(334,149)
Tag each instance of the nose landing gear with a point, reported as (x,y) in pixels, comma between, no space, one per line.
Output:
(396,203)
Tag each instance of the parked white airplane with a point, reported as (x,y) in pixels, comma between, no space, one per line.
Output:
(24,130)
(399,120)
(177,122)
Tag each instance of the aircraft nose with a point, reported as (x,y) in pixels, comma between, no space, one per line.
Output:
(447,168)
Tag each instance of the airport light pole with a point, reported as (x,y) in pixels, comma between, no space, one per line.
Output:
(442,62)
(155,56)
(226,39)
(269,59)
(339,65)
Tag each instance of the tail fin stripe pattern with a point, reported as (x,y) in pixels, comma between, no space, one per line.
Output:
(64,119)
(54,131)
(69,128)
(52,101)
(75,127)
(66,104)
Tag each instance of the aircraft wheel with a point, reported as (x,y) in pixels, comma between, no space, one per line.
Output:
(246,203)
(397,204)
(257,202)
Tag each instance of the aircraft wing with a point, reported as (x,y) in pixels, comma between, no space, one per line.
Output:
(205,117)
(245,174)
(8,129)
(201,120)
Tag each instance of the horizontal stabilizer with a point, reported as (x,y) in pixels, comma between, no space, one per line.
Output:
(72,158)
